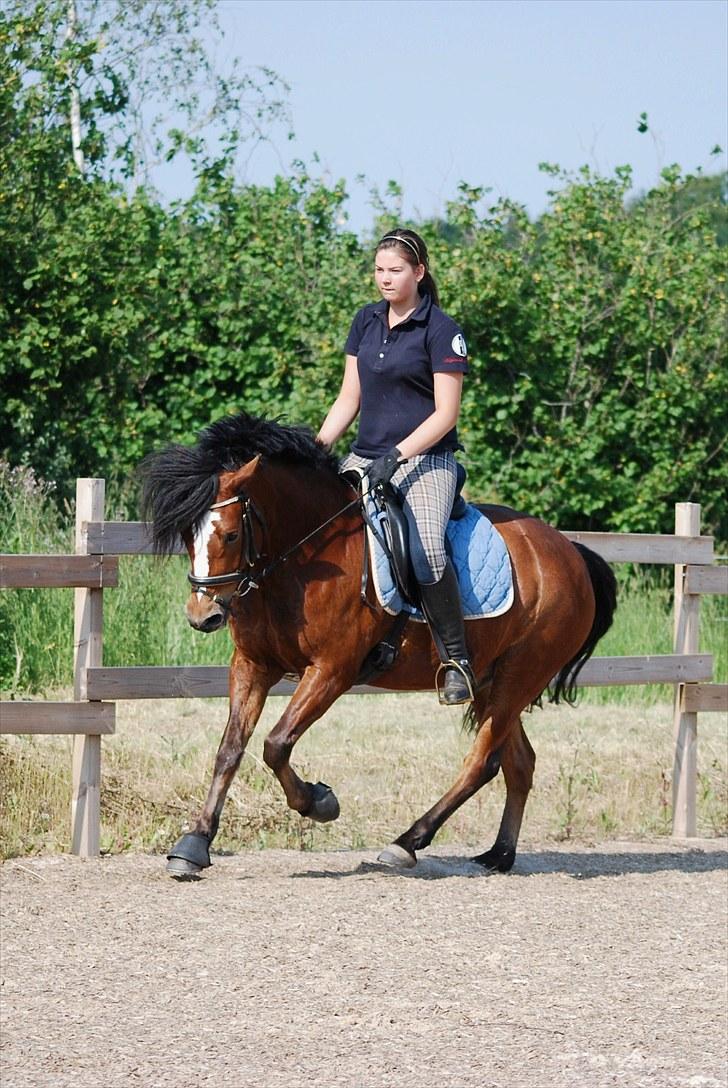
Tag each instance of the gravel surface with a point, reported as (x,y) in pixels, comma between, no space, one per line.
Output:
(586,966)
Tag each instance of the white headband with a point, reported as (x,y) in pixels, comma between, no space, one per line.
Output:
(405,241)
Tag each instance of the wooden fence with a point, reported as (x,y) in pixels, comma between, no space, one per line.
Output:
(94,568)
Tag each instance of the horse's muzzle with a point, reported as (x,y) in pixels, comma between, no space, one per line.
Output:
(205,616)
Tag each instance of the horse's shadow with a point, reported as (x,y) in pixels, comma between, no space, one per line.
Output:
(578,866)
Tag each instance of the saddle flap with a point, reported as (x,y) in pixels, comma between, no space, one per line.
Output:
(397,530)
(395,527)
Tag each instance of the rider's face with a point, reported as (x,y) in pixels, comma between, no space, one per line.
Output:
(396,278)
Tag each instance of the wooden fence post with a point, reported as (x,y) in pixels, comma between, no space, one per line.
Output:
(687,638)
(87,641)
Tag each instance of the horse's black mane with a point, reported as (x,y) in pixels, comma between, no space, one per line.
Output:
(179,483)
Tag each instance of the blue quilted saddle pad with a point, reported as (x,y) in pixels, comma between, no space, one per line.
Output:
(479,555)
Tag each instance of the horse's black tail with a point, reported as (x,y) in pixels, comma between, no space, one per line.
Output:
(604,585)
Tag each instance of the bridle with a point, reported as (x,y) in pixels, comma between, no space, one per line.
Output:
(250,554)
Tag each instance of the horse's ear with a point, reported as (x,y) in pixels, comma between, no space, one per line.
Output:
(231,483)
(238,478)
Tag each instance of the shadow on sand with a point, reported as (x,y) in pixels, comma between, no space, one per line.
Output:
(577,865)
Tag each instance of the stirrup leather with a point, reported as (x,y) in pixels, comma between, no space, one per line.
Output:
(464,671)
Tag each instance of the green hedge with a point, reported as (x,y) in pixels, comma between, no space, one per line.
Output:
(598,387)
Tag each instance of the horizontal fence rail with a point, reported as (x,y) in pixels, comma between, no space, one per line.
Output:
(211,681)
(36,716)
(646,548)
(706,580)
(58,571)
(132,538)
(704,697)
(122,538)
(95,567)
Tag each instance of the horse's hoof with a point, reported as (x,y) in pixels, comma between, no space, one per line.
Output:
(396,857)
(190,854)
(496,861)
(324,805)
(183,870)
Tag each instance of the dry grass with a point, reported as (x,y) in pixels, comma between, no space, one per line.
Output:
(602,772)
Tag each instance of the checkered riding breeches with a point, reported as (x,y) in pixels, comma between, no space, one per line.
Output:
(427,485)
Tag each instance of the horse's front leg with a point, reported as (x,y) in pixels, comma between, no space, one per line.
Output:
(315,693)
(249,686)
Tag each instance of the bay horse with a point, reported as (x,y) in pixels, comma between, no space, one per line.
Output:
(276,542)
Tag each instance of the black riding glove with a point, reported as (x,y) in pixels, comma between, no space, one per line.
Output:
(383,469)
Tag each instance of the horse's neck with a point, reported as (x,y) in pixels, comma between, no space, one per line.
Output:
(295,501)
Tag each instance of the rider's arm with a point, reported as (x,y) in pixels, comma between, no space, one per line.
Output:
(448,388)
(345,408)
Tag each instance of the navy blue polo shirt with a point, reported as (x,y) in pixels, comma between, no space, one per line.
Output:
(396,372)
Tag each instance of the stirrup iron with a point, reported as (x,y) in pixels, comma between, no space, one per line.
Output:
(464,669)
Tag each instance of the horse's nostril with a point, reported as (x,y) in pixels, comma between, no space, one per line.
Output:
(208,624)
(212,623)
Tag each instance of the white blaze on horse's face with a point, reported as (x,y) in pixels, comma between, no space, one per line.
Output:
(203,612)
(200,552)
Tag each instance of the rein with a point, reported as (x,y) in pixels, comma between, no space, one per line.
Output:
(250,554)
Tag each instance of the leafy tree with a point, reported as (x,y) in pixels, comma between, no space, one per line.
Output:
(142,82)
(82,259)
(598,385)
(254,288)
(705,194)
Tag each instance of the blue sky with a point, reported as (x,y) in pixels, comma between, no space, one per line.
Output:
(432,92)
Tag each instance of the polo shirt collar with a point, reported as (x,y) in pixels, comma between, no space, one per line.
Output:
(423,309)
(420,314)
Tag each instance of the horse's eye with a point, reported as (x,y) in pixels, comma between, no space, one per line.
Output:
(230,538)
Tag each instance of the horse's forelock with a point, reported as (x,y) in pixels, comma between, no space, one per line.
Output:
(177,489)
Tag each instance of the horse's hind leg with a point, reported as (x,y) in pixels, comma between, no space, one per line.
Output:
(517,762)
(481,764)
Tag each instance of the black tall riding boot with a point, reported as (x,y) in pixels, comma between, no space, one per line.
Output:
(444,613)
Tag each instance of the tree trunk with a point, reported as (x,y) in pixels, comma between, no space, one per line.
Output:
(75,112)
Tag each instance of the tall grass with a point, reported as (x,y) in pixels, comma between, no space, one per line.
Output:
(36,625)
(601,773)
(143,621)
(144,624)
(643,624)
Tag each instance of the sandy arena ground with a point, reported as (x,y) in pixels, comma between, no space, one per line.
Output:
(585,967)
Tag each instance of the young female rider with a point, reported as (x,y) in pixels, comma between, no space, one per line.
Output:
(405,361)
